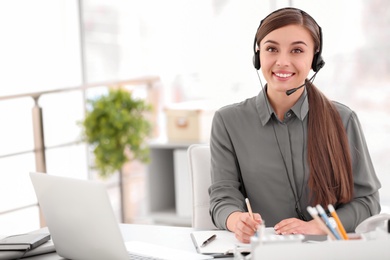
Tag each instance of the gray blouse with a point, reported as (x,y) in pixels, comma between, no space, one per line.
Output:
(252,149)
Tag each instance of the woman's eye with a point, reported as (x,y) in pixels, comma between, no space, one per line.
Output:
(270,49)
(297,51)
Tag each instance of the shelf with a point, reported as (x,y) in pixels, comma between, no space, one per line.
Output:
(168,182)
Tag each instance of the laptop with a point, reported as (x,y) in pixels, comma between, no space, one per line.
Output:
(82,223)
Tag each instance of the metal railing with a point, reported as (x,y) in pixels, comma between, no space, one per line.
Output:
(151,84)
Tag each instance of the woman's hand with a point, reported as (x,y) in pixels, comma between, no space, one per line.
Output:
(297,226)
(243,225)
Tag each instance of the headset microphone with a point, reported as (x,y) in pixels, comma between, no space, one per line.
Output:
(290,91)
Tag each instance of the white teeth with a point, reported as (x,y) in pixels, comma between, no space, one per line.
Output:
(283,75)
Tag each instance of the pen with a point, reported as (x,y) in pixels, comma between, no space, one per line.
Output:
(314,213)
(326,220)
(338,221)
(209,240)
(248,205)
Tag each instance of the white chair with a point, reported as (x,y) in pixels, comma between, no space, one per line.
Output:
(199,166)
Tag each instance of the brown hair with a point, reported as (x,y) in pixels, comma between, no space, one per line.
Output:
(329,160)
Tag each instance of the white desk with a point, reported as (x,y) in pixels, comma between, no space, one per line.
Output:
(174,237)
(179,238)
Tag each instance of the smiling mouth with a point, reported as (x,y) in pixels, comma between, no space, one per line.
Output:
(284,75)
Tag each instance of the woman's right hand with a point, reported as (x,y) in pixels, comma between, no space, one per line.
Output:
(243,225)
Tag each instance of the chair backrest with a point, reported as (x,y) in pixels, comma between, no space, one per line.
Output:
(199,164)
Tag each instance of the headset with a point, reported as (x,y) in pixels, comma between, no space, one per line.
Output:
(317,63)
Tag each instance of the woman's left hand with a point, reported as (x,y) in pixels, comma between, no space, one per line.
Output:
(297,226)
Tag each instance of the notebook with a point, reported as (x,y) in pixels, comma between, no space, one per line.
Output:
(23,242)
(46,247)
(82,223)
(224,243)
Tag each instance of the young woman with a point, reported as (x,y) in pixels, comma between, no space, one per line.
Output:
(290,147)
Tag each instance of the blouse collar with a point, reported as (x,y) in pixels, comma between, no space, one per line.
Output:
(265,110)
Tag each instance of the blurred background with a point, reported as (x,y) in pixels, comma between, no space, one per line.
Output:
(56,54)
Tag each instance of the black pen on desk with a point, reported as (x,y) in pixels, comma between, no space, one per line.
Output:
(209,240)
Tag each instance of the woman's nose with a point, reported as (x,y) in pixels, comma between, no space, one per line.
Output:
(283,59)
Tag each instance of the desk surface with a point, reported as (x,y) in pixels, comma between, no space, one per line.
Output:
(179,238)
(168,236)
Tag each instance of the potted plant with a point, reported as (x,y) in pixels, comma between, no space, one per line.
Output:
(116,128)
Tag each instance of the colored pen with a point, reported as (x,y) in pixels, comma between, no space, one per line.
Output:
(314,214)
(209,240)
(326,220)
(248,205)
(338,221)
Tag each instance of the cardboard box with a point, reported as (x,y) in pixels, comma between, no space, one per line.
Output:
(189,122)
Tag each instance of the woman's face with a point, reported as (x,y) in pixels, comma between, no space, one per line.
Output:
(286,55)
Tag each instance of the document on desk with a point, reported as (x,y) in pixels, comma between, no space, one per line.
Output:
(223,243)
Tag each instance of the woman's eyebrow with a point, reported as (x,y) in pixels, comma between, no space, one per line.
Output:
(299,42)
(293,43)
(271,41)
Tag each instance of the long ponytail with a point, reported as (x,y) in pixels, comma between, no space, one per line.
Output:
(330,179)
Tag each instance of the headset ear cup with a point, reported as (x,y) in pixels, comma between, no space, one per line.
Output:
(256,60)
(317,63)
(314,62)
